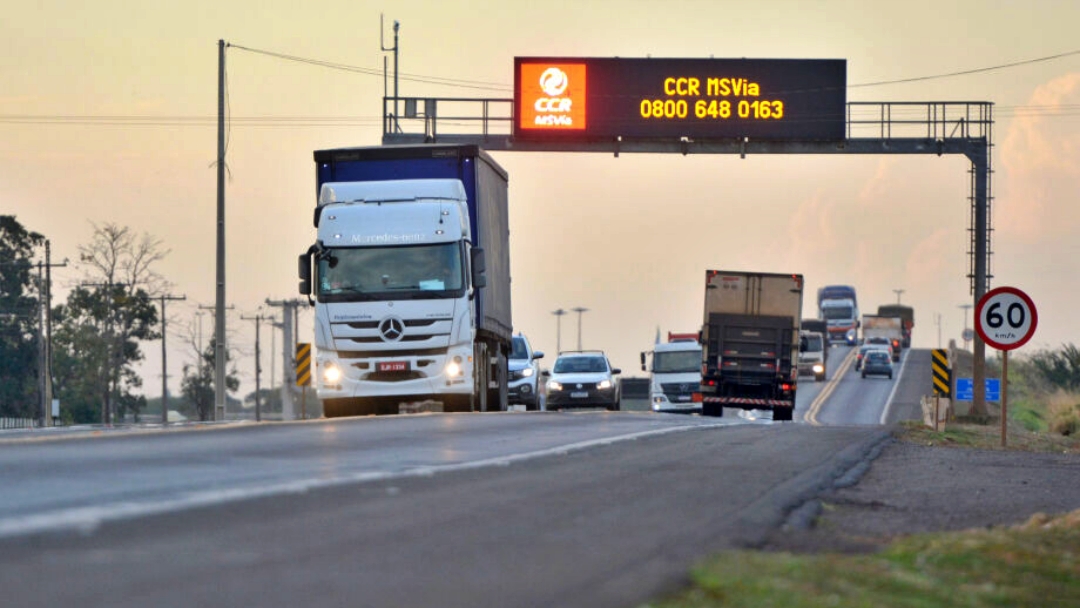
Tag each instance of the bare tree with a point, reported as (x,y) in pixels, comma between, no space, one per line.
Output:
(118,266)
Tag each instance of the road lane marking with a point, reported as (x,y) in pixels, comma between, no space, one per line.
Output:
(815,407)
(888,402)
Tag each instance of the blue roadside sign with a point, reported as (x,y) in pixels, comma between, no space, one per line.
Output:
(965,389)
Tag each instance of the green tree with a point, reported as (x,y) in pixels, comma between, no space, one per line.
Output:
(19,309)
(96,344)
(198,381)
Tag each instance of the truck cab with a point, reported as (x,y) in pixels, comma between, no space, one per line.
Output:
(841,316)
(674,374)
(812,355)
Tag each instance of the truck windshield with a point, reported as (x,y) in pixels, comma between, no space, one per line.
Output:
(837,312)
(677,362)
(812,344)
(389,273)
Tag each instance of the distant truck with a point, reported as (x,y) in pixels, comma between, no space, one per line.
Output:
(819,326)
(838,306)
(812,349)
(675,373)
(410,273)
(890,328)
(750,342)
(906,313)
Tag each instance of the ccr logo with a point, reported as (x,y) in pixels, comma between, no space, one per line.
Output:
(552,96)
(553,81)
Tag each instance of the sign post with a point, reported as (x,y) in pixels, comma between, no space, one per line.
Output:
(1005,318)
(303,373)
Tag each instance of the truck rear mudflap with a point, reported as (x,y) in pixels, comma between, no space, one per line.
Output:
(714,406)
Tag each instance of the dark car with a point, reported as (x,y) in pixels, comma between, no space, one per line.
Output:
(583,379)
(860,355)
(877,363)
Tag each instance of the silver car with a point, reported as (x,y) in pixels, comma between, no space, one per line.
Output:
(524,386)
(583,379)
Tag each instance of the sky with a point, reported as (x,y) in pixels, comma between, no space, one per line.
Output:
(108,115)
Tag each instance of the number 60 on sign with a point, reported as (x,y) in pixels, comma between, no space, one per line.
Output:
(1006,318)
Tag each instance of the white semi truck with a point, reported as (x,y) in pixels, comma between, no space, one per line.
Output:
(410,279)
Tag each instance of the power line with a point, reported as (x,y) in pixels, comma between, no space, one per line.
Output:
(450,82)
(965,72)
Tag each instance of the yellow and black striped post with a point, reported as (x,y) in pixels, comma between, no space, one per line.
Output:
(303,364)
(939,362)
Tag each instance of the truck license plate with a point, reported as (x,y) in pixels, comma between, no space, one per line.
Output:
(392,366)
(579,395)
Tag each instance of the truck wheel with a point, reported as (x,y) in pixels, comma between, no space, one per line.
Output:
(457,403)
(334,408)
(712,409)
(363,407)
(783,413)
(499,396)
(481,369)
(387,407)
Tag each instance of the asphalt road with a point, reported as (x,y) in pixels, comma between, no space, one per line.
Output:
(512,509)
(583,509)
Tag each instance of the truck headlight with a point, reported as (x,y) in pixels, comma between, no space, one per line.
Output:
(819,368)
(603,384)
(453,367)
(554,386)
(527,372)
(331,374)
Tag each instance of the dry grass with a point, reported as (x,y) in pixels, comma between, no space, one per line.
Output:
(988,437)
(1063,412)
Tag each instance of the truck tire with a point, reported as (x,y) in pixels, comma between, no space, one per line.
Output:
(334,408)
(783,413)
(481,369)
(712,409)
(387,407)
(457,403)
(499,396)
(363,406)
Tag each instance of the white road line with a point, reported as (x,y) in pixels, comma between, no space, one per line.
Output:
(888,402)
(86,519)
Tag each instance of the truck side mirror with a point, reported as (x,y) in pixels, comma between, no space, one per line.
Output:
(479,269)
(643,362)
(304,268)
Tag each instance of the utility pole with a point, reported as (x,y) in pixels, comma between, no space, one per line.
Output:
(289,323)
(579,310)
(219,356)
(898,292)
(258,318)
(558,329)
(937,321)
(220,389)
(164,368)
(47,389)
(382,45)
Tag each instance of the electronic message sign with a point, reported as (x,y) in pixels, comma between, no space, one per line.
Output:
(566,98)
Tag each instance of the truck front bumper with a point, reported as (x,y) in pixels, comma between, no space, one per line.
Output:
(402,374)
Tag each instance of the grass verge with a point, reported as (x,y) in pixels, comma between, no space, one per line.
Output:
(1033,564)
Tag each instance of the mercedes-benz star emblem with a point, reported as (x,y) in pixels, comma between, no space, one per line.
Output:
(391,328)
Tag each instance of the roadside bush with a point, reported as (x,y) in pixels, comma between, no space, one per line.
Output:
(1063,412)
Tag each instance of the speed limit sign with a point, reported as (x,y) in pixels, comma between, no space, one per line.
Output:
(1006,318)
